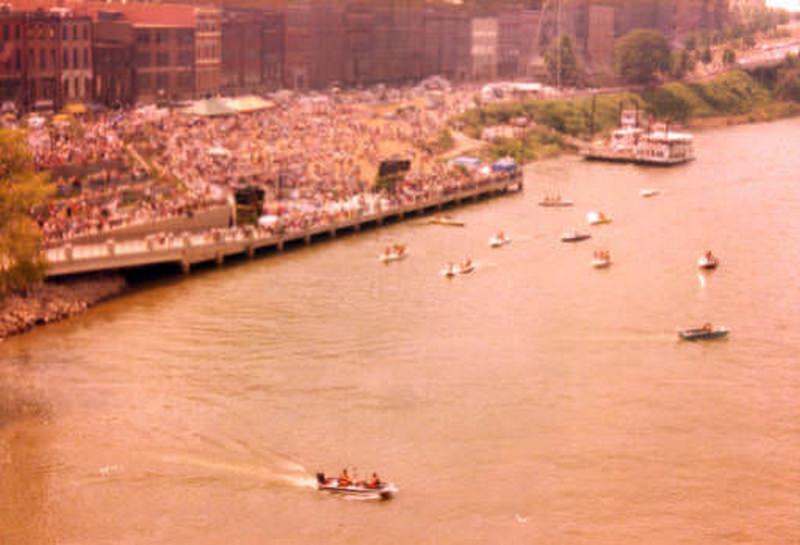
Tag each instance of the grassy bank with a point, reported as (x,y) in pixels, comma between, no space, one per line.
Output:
(734,97)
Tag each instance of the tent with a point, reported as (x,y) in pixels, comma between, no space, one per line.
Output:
(212,107)
(506,164)
(75,108)
(249,103)
(466,162)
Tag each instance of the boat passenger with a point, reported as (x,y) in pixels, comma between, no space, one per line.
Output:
(374,482)
(344,478)
(707,327)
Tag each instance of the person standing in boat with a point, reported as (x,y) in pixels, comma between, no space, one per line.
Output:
(375,481)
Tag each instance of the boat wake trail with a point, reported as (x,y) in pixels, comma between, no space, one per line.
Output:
(274,472)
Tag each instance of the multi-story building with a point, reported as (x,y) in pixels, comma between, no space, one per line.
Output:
(12,60)
(298,56)
(42,39)
(447,48)
(484,48)
(207,50)
(76,55)
(242,49)
(113,60)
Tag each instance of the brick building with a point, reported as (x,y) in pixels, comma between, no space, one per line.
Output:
(242,49)
(13,56)
(76,55)
(42,39)
(484,48)
(207,51)
(447,42)
(113,60)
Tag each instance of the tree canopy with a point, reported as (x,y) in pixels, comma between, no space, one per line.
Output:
(564,70)
(21,188)
(641,54)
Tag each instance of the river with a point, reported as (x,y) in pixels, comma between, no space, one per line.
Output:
(535,401)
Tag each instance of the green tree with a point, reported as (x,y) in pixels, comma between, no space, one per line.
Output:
(21,188)
(564,68)
(788,87)
(641,54)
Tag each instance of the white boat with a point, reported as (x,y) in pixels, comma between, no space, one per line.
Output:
(647,193)
(450,272)
(498,242)
(597,218)
(705,333)
(601,262)
(382,491)
(446,220)
(555,202)
(393,256)
(708,262)
(574,236)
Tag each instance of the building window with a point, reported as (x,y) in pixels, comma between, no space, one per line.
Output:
(19,60)
(65,59)
(42,58)
(75,58)
(162,82)
(185,80)
(162,58)
(64,33)
(17,32)
(144,82)
(85,32)
(185,58)
(6,33)
(32,58)
(74,32)
(78,91)
(86,57)
(143,37)
(66,88)
(143,58)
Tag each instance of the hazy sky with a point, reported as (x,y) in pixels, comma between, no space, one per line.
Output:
(793,5)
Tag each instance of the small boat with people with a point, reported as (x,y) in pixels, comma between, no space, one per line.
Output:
(499,240)
(601,259)
(708,261)
(446,220)
(555,202)
(705,333)
(649,192)
(395,252)
(597,218)
(574,236)
(465,267)
(343,485)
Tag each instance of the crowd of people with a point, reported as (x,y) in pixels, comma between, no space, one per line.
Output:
(314,158)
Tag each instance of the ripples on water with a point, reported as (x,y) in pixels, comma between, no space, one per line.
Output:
(536,400)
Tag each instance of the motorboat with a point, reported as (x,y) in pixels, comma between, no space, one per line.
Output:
(708,262)
(555,202)
(705,333)
(446,220)
(601,261)
(451,271)
(574,236)
(499,240)
(394,255)
(647,193)
(597,218)
(382,491)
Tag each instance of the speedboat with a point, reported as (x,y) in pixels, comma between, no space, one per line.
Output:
(708,262)
(393,256)
(574,236)
(446,220)
(597,218)
(705,333)
(499,241)
(647,193)
(450,272)
(601,262)
(383,491)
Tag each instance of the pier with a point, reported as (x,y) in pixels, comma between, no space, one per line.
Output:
(189,249)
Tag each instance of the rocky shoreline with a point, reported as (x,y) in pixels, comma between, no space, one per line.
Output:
(55,301)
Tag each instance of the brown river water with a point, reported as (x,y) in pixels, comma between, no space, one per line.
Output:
(535,401)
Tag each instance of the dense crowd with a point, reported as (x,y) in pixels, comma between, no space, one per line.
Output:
(315,158)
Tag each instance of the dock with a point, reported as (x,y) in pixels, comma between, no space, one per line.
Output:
(189,249)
